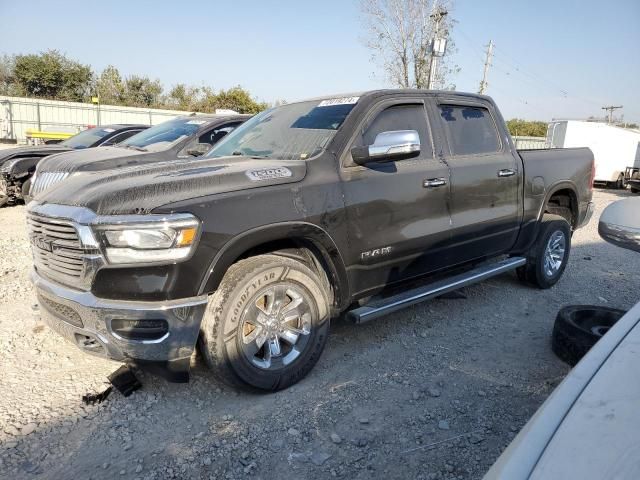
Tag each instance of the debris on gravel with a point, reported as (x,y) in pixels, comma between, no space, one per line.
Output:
(436,391)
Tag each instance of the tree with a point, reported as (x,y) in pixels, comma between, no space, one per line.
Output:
(7,78)
(141,91)
(400,34)
(526,128)
(183,97)
(52,75)
(110,87)
(235,98)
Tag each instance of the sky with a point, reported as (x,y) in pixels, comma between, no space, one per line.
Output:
(553,58)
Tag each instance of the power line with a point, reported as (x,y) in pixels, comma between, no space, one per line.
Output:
(526,74)
(610,109)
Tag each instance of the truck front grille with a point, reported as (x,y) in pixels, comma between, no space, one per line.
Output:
(46,180)
(56,247)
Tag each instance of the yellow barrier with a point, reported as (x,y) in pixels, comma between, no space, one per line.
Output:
(48,135)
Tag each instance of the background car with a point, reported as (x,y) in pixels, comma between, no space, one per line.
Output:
(17,165)
(181,137)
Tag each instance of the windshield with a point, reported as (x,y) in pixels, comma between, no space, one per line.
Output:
(164,135)
(86,138)
(291,132)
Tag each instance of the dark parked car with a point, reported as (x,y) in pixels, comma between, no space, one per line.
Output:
(182,137)
(17,165)
(307,210)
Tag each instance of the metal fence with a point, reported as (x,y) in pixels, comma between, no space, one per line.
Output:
(17,115)
(529,143)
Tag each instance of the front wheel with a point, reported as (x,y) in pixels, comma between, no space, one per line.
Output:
(548,256)
(267,323)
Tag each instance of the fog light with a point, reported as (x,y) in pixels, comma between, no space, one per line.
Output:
(153,329)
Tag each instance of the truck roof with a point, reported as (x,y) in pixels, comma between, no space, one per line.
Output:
(215,116)
(395,91)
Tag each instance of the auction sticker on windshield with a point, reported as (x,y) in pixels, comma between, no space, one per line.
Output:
(268,173)
(196,122)
(338,101)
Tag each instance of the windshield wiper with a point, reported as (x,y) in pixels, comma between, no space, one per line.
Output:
(238,153)
(135,147)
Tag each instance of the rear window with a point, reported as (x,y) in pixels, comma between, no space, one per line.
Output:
(470,129)
(87,138)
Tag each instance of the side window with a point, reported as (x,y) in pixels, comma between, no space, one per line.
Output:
(214,136)
(399,117)
(470,129)
(121,137)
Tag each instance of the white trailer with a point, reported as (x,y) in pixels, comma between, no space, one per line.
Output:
(614,149)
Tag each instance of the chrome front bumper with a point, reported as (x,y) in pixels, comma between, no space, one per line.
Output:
(85,320)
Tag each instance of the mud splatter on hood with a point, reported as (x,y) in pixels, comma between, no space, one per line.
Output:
(142,188)
(94,159)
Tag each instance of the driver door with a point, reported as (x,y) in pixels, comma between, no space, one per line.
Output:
(399,224)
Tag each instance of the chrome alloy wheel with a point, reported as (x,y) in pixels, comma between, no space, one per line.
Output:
(276,326)
(554,253)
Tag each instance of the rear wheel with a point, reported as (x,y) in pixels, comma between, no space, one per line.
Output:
(267,323)
(548,256)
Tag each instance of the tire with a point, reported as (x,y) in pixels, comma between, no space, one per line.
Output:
(577,328)
(635,190)
(541,270)
(249,305)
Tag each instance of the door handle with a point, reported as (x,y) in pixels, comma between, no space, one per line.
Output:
(434,182)
(507,172)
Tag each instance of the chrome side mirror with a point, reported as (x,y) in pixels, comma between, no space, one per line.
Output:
(388,146)
(620,224)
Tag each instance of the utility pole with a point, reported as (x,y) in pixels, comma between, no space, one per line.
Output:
(438,46)
(610,109)
(487,64)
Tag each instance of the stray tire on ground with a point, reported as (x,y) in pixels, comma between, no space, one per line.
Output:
(578,327)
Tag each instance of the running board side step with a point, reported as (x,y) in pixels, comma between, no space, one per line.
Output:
(384,306)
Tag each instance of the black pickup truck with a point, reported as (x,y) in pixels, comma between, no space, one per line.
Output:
(356,205)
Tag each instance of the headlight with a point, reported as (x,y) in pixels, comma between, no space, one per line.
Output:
(151,239)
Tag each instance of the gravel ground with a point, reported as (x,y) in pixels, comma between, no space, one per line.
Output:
(433,392)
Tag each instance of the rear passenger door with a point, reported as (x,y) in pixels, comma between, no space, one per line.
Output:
(485,180)
(398,223)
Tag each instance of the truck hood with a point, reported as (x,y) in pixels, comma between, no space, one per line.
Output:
(29,151)
(142,188)
(95,159)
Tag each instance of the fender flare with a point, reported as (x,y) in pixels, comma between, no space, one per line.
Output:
(562,185)
(530,229)
(303,232)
